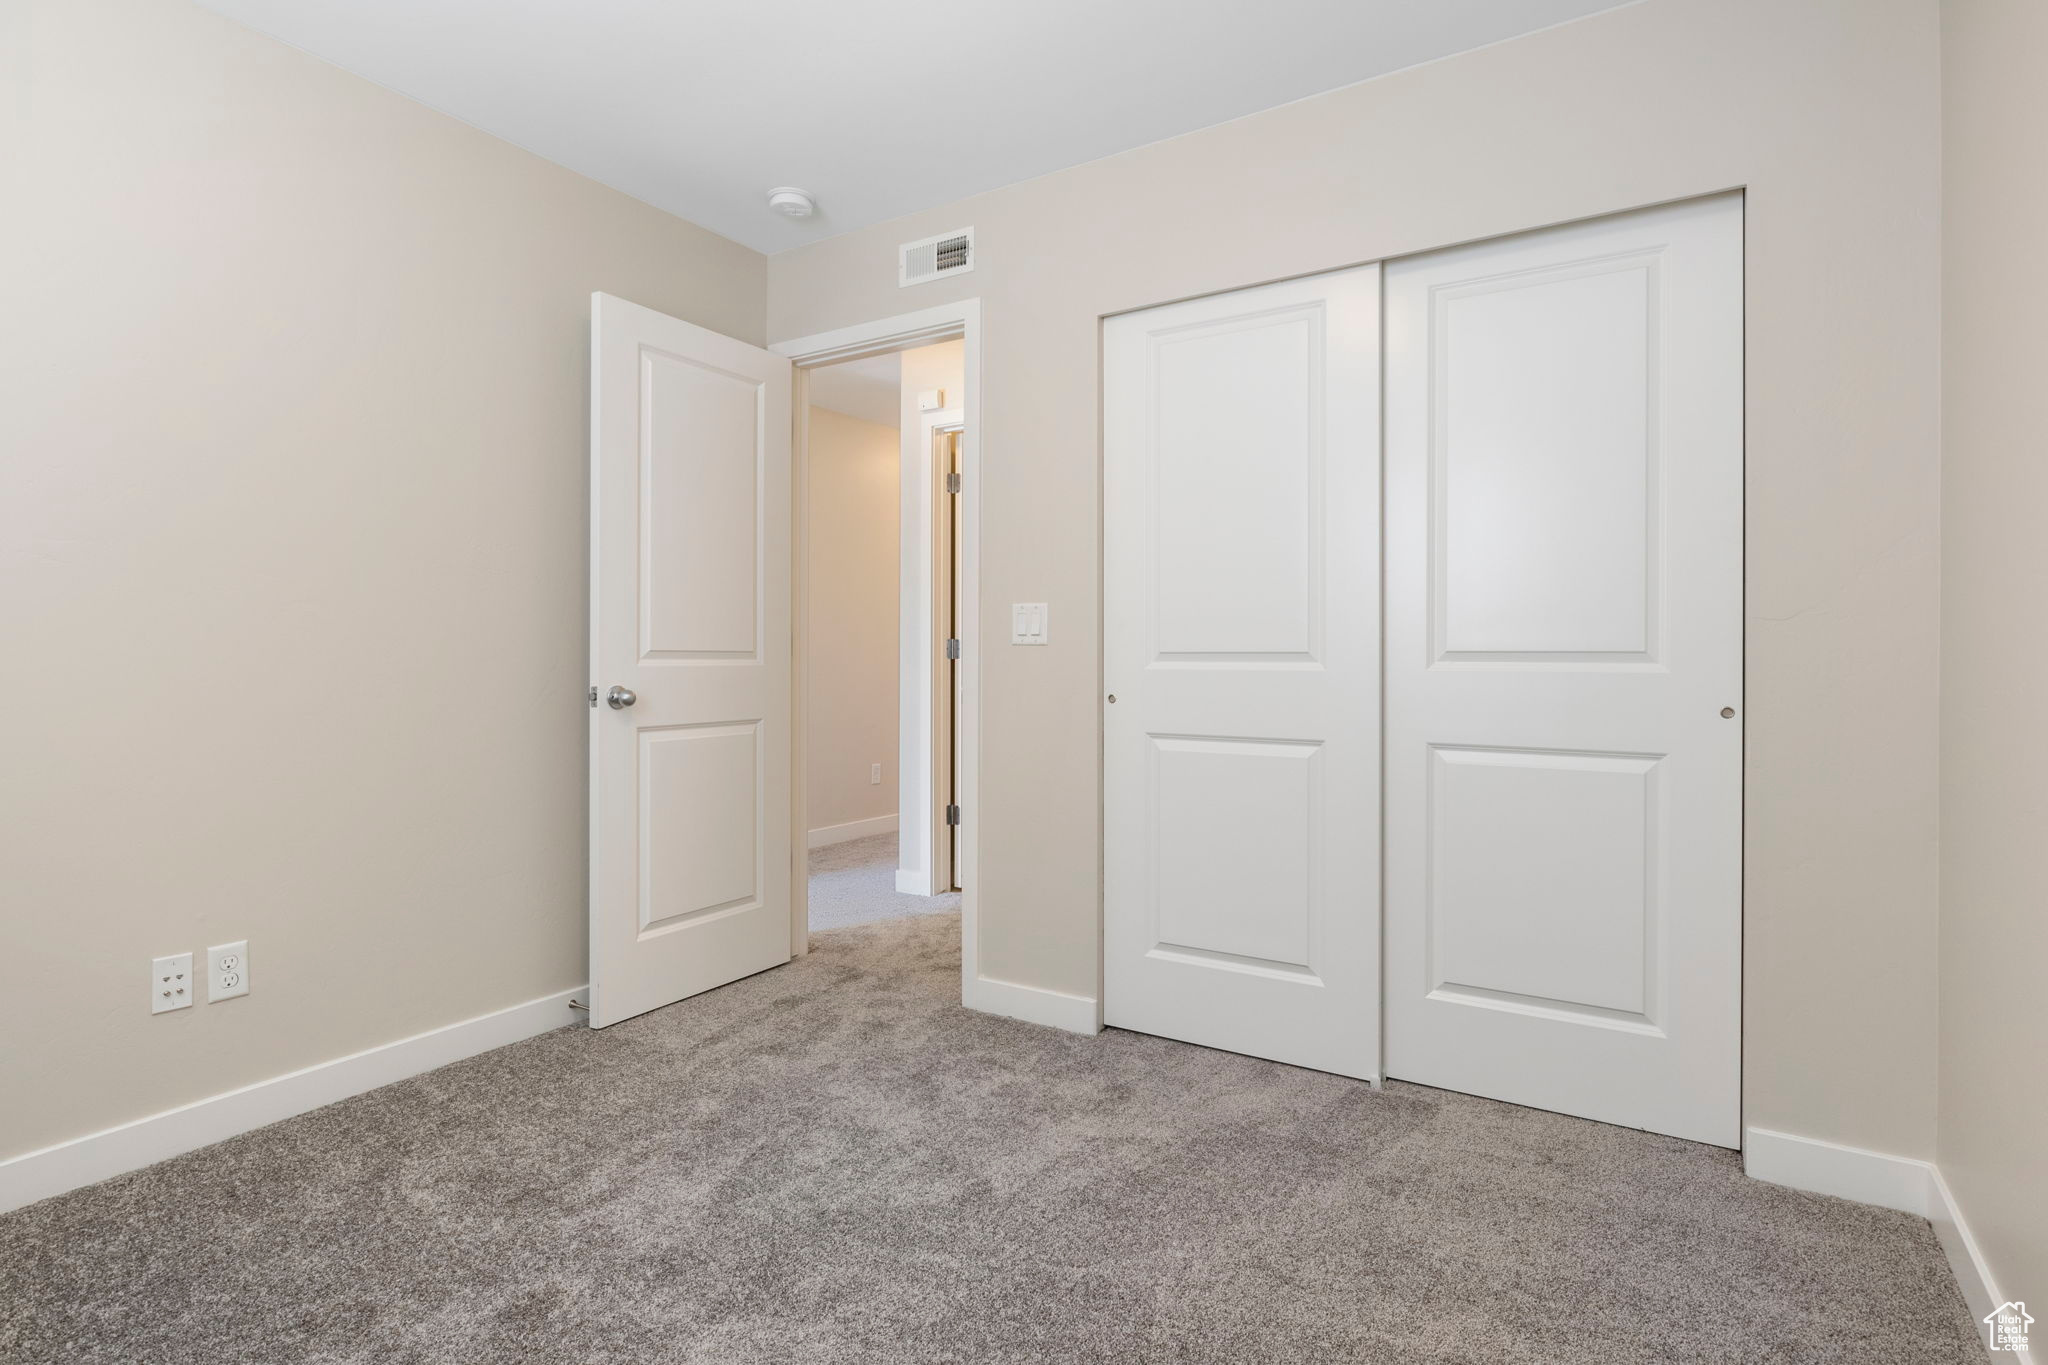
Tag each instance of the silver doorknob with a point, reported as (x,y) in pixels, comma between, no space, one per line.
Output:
(619,698)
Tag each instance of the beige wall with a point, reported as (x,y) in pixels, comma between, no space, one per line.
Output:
(1826,110)
(1993,1140)
(851,647)
(292,551)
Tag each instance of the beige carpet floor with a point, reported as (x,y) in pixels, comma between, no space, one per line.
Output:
(834,1162)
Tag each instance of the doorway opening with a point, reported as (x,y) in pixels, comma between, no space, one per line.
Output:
(883,626)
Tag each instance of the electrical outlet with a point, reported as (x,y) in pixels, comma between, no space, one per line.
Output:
(227,970)
(875,775)
(170,983)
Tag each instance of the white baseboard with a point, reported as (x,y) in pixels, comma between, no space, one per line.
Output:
(913,882)
(130,1146)
(852,829)
(1980,1290)
(1033,1004)
(1892,1182)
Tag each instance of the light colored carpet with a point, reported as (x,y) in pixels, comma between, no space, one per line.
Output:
(855,883)
(834,1162)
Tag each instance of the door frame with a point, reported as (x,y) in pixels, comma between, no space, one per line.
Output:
(960,320)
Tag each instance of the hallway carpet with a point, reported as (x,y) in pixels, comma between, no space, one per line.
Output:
(855,883)
(834,1162)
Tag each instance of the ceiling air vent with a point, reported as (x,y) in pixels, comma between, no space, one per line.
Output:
(949,253)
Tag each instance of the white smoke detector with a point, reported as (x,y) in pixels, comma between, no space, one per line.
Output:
(791,201)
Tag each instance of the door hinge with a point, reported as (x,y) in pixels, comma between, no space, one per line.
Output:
(952,483)
(593,694)
(952,815)
(953,649)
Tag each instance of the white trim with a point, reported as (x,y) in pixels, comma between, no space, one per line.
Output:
(899,333)
(131,1146)
(799,660)
(905,330)
(912,881)
(1973,1276)
(1033,1004)
(1892,1182)
(852,829)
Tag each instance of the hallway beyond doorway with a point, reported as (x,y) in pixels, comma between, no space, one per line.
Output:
(855,883)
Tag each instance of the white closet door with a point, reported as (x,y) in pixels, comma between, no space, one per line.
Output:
(1241,646)
(1564,631)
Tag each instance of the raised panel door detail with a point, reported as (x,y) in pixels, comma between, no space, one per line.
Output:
(1564,626)
(1544,464)
(1233,829)
(690,786)
(700,510)
(699,822)
(1240,641)
(1236,450)
(1542,880)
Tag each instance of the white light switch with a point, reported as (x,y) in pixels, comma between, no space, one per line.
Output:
(1027,623)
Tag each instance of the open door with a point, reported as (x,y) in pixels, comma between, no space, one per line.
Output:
(689,659)
(946,686)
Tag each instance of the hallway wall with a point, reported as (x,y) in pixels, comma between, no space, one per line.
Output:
(851,649)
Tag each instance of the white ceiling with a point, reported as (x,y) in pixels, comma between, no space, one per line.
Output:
(870,389)
(877,107)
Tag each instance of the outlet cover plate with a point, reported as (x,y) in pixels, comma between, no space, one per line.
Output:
(227,970)
(170,983)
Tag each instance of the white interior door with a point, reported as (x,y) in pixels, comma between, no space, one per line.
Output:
(946,863)
(689,607)
(1564,631)
(1241,658)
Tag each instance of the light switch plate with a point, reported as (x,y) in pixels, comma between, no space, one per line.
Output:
(1027,623)
(170,983)
(227,971)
